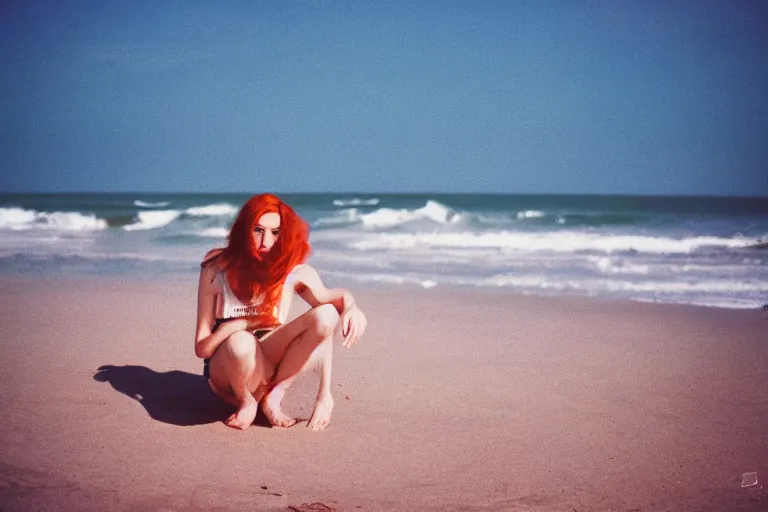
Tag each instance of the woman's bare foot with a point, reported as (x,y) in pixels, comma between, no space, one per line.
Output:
(321,415)
(270,406)
(245,414)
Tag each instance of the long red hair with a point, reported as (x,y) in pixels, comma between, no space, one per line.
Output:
(250,273)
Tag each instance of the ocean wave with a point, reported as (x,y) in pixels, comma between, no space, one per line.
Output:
(69,263)
(370,277)
(83,255)
(600,286)
(212,210)
(530,214)
(145,204)
(153,220)
(543,218)
(339,217)
(213,233)
(388,217)
(710,302)
(554,242)
(118,221)
(596,219)
(19,219)
(611,266)
(699,287)
(355,202)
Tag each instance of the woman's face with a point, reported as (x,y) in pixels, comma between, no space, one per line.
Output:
(266,231)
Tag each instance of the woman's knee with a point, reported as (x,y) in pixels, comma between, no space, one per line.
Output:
(325,319)
(241,345)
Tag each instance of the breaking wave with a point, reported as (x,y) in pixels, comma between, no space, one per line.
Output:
(530,214)
(145,204)
(213,210)
(549,241)
(388,217)
(355,202)
(214,233)
(20,219)
(153,220)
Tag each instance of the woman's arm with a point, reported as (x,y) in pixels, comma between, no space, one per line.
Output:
(207,342)
(310,287)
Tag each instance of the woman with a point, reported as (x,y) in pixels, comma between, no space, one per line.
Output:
(245,291)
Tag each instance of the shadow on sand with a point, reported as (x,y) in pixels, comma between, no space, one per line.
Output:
(174,397)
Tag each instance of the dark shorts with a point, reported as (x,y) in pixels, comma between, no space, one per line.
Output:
(259,333)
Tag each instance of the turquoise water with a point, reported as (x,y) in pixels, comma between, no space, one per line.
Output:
(694,250)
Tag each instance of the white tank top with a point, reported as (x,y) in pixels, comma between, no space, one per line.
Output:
(229,306)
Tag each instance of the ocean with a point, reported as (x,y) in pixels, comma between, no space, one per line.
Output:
(691,250)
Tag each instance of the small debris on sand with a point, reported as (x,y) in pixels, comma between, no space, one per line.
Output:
(749,479)
(312,507)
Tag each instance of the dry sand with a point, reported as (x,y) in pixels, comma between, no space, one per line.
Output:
(454,400)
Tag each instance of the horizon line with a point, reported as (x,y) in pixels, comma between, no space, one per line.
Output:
(410,193)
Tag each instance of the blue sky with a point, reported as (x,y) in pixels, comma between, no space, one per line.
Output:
(515,97)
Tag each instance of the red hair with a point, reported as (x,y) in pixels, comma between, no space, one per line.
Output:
(250,273)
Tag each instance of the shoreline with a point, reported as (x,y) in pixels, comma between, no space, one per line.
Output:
(176,279)
(451,401)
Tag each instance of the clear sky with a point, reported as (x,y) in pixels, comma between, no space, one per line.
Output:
(599,96)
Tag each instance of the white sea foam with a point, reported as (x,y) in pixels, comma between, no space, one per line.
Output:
(380,278)
(145,204)
(494,219)
(388,217)
(85,251)
(153,220)
(530,214)
(598,286)
(19,219)
(212,210)
(72,221)
(698,287)
(214,233)
(355,202)
(612,266)
(535,282)
(551,241)
(708,302)
(371,277)
(133,256)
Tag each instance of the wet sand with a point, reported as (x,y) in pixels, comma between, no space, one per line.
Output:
(454,400)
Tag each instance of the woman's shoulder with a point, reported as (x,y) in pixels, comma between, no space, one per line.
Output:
(211,258)
(301,268)
(302,272)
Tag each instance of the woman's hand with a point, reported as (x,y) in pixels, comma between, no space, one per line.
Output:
(353,323)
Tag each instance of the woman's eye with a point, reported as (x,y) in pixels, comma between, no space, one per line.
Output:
(258,230)
(275,232)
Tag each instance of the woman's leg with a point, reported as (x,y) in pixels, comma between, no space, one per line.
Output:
(238,368)
(321,357)
(293,347)
(321,414)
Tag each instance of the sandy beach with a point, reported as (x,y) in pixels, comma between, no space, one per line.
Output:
(454,400)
